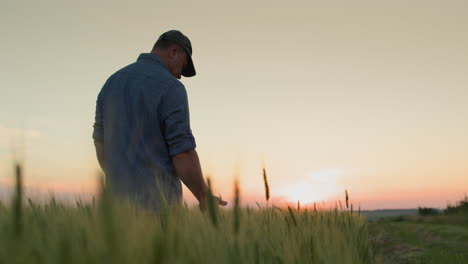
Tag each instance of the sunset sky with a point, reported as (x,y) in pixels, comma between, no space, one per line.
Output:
(369,96)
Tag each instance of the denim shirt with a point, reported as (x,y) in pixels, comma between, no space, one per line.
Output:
(142,118)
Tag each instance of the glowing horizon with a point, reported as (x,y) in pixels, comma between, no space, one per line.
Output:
(280,195)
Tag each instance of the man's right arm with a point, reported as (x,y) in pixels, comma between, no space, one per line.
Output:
(187,165)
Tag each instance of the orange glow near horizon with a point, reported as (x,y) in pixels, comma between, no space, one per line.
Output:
(71,187)
(325,196)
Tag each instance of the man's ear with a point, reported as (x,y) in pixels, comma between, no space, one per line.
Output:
(172,51)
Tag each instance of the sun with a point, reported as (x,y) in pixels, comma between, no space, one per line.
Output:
(305,193)
(318,186)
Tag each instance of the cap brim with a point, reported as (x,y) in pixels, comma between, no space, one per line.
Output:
(189,71)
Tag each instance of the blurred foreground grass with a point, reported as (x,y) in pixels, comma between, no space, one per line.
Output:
(107,231)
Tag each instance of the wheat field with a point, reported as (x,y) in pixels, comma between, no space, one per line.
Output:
(107,231)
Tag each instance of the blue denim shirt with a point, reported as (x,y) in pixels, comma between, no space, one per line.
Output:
(142,118)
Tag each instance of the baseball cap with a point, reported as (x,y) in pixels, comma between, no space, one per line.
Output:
(180,39)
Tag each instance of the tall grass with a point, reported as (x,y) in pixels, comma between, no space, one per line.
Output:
(212,206)
(18,202)
(236,210)
(119,232)
(461,207)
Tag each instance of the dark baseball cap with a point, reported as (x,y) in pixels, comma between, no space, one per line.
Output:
(180,39)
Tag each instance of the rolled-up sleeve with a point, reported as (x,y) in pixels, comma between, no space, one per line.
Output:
(175,115)
(98,132)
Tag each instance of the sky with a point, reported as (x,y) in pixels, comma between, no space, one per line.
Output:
(369,96)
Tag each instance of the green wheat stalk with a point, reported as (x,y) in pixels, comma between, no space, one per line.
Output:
(17,202)
(236,206)
(211,205)
(292,215)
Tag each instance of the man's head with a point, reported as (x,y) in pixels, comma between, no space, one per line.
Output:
(175,49)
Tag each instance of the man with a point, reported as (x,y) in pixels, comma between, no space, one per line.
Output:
(142,133)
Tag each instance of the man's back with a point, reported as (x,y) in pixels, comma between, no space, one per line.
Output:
(142,118)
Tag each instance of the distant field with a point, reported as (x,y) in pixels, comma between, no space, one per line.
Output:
(378,214)
(422,239)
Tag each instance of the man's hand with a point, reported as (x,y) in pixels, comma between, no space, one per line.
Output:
(217,201)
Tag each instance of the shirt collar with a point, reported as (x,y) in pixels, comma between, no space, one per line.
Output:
(153,58)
